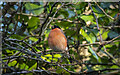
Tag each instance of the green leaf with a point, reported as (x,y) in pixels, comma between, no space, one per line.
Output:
(105,35)
(21,17)
(29,74)
(49,8)
(92,37)
(104,59)
(63,24)
(57,56)
(10,52)
(99,15)
(85,35)
(33,22)
(70,32)
(12,63)
(112,34)
(33,67)
(108,46)
(59,70)
(17,37)
(103,20)
(94,54)
(87,18)
(114,66)
(22,66)
(36,9)
(48,55)
(30,63)
(47,33)
(63,13)
(33,39)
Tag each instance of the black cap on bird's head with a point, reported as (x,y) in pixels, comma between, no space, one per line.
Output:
(55,26)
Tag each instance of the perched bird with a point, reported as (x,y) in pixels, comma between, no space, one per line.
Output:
(57,40)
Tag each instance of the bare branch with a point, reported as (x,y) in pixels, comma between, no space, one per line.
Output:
(104,11)
(101,40)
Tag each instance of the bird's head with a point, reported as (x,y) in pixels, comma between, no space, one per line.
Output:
(55,26)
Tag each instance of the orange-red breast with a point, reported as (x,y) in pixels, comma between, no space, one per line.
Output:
(57,40)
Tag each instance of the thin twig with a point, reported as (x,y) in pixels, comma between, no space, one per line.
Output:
(24,72)
(68,70)
(44,25)
(101,40)
(52,18)
(113,40)
(22,42)
(104,11)
(24,50)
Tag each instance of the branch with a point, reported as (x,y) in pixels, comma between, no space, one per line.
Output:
(22,42)
(52,18)
(112,40)
(108,64)
(24,50)
(68,70)
(113,73)
(104,42)
(110,27)
(6,65)
(12,14)
(104,11)
(101,40)
(41,30)
(99,71)
(24,72)
(43,25)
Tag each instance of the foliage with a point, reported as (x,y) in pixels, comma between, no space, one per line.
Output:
(26,26)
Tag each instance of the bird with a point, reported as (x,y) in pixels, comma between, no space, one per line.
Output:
(57,39)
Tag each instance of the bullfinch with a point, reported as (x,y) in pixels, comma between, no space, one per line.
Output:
(57,40)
